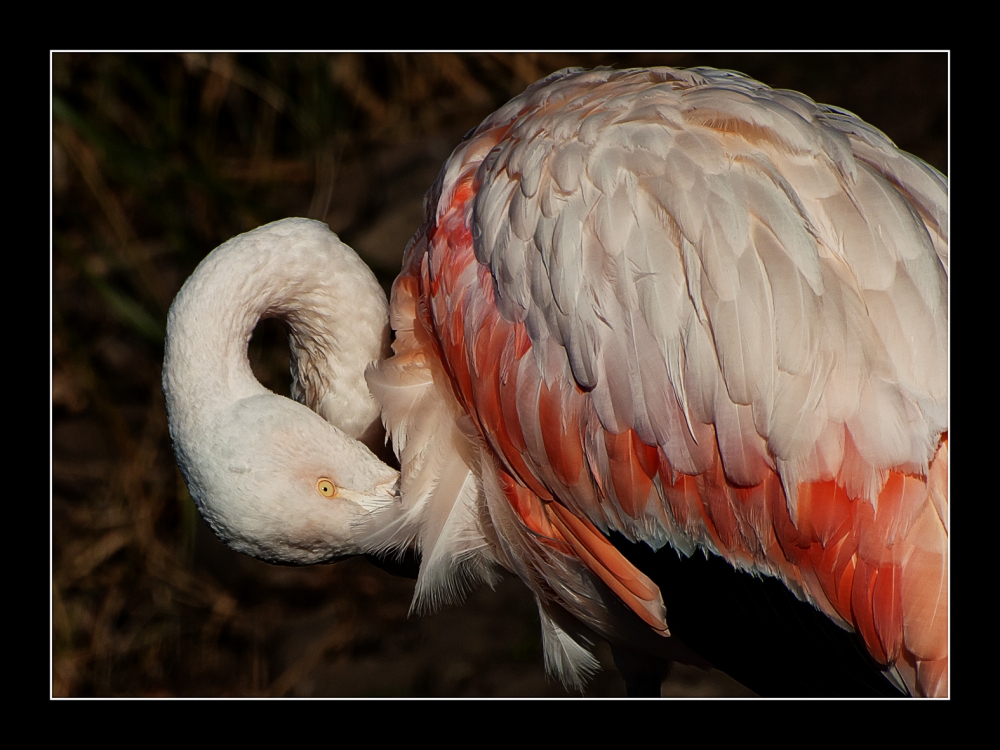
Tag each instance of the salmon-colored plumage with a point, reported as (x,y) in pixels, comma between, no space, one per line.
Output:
(702,313)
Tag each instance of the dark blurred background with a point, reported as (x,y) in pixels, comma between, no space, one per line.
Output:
(156,160)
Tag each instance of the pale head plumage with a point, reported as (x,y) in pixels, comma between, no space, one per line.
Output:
(257,463)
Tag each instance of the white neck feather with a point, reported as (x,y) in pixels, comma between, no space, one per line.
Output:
(295,270)
(251,458)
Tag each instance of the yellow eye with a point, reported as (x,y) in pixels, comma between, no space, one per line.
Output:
(326,487)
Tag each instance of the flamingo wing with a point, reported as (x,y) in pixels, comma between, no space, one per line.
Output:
(685,310)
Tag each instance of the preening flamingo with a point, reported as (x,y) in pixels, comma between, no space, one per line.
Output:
(670,345)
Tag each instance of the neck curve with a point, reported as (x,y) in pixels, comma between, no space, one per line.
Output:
(298,271)
(283,481)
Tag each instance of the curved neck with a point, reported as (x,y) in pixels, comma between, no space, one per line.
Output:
(295,270)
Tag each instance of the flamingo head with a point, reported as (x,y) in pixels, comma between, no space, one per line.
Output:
(283,485)
(281,480)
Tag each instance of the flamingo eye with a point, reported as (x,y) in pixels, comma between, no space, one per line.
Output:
(326,487)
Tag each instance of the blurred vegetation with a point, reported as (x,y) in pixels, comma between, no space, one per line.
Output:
(157,159)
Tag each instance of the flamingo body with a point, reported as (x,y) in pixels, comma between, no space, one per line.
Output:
(693,311)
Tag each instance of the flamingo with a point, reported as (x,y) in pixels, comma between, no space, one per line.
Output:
(670,345)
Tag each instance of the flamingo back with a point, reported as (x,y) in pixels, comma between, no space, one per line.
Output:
(689,309)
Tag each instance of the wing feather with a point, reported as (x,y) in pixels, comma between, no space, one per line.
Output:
(735,304)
